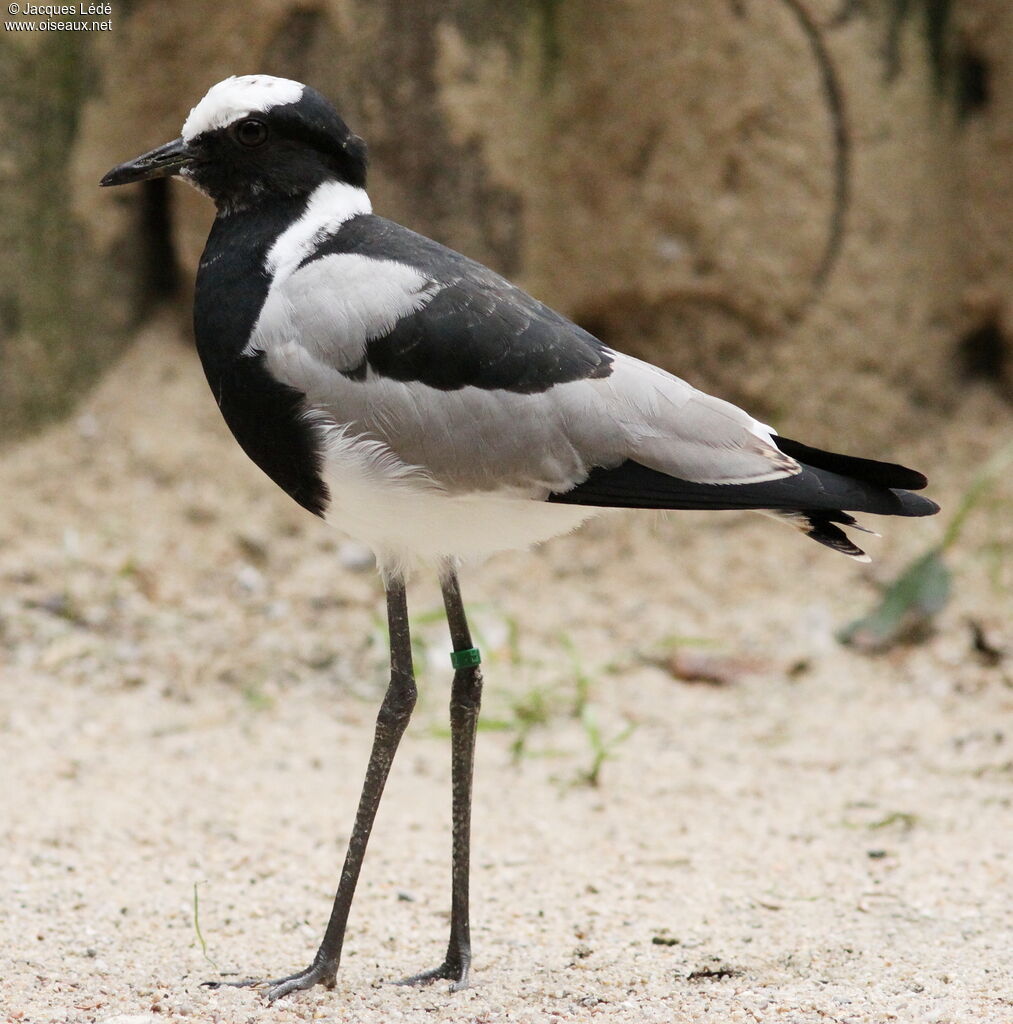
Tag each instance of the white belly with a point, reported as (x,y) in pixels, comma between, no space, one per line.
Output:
(407,519)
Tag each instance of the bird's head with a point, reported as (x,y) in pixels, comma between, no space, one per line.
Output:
(252,138)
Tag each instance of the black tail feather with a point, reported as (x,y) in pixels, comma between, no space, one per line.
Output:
(816,500)
(832,536)
(885,474)
(822,527)
(632,485)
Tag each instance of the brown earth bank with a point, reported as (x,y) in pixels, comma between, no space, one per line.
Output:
(803,204)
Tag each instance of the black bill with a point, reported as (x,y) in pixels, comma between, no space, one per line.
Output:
(159,163)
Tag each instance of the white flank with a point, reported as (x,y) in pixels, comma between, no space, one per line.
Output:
(238,97)
(406,519)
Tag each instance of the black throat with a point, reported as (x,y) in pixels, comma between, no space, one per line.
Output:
(265,416)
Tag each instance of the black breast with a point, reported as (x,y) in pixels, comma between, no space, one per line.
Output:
(264,415)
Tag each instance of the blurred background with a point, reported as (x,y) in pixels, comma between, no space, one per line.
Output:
(807,207)
(803,206)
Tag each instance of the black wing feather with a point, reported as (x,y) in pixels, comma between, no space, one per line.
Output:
(632,485)
(886,474)
(477,330)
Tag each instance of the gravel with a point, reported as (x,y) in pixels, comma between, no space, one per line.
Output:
(190,670)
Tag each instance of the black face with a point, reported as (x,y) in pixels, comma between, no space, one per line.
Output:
(287,150)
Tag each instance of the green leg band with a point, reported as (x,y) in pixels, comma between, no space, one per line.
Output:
(468,658)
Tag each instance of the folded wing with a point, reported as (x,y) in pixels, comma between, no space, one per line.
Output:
(405,342)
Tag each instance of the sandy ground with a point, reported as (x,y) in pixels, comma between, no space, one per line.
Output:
(191,667)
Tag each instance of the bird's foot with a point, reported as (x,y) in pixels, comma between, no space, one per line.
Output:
(453,969)
(316,974)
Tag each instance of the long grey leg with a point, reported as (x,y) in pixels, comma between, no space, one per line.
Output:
(465,701)
(395,711)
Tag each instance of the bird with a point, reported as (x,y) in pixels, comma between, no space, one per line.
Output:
(429,408)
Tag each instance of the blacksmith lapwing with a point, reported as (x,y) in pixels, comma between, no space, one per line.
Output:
(428,407)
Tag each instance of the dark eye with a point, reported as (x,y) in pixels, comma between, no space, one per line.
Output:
(250,132)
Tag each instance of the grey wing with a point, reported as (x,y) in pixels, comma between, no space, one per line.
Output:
(466,379)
